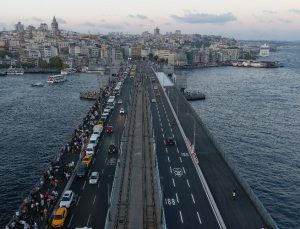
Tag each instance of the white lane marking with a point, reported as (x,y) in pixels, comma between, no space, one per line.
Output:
(69,224)
(180,159)
(94,200)
(181,217)
(161,129)
(84,185)
(170,169)
(172,131)
(160,124)
(177,150)
(168,159)
(167,151)
(163,135)
(193,198)
(77,201)
(88,220)
(173,182)
(177,198)
(188,183)
(183,170)
(168,120)
(199,218)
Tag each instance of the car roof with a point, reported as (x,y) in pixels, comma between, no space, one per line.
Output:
(94,173)
(60,210)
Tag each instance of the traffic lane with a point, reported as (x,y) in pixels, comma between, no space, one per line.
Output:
(189,169)
(177,204)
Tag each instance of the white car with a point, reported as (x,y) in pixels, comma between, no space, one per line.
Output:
(67,199)
(155,87)
(153,100)
(122,111)
(94,178)
(120,101)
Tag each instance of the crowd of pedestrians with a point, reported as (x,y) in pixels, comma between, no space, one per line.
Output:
(36,209)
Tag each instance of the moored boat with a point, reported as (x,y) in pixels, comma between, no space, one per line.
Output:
(89,95)
(56,79)
(194,95)
(68,71)
(4,73)
(15,71)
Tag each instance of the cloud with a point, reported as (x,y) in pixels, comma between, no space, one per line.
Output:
(138,16)
(200,18)
(296,11)
(284,20)
(89,24)
(269,12)
(110,26)
(37,19)
(61,21)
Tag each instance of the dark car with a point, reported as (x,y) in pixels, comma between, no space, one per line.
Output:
(170,141)
(81,170)
(112,148)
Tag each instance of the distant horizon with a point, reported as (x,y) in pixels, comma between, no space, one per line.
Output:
(239,19)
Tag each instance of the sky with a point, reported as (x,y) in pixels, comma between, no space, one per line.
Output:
(240,19)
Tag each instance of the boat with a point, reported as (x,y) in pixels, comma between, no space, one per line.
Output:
(194,95)
(89,95)
(15,71)
(39,84)
(68,71)
(3,73)
(56,79)
(264,50)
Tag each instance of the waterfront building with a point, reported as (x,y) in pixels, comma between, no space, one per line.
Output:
(264,50)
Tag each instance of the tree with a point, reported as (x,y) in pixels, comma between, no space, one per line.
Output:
(150,56)
(55,62)
(43,64)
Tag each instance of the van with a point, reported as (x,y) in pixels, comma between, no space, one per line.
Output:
(94,139)
(90,149)
(98,129)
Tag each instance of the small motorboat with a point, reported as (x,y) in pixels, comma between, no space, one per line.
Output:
(39,84)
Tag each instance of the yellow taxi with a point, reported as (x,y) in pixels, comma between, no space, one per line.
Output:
(59,217)
(87,159)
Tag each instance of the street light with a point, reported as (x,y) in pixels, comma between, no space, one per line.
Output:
(194,137)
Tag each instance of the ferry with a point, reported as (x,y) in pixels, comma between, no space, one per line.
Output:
(56,79)
(89,95)
(15,71)
(68,71)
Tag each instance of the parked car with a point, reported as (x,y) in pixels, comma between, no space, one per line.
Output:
(112,149)
(59,217)
(67,199)
(109,130)
(120,101)
(153,100)
(94,178)
(155,87)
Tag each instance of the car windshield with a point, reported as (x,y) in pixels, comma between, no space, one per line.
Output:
(94,177)
(58,217)
(65,198)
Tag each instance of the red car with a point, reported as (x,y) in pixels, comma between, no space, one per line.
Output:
(109,130)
